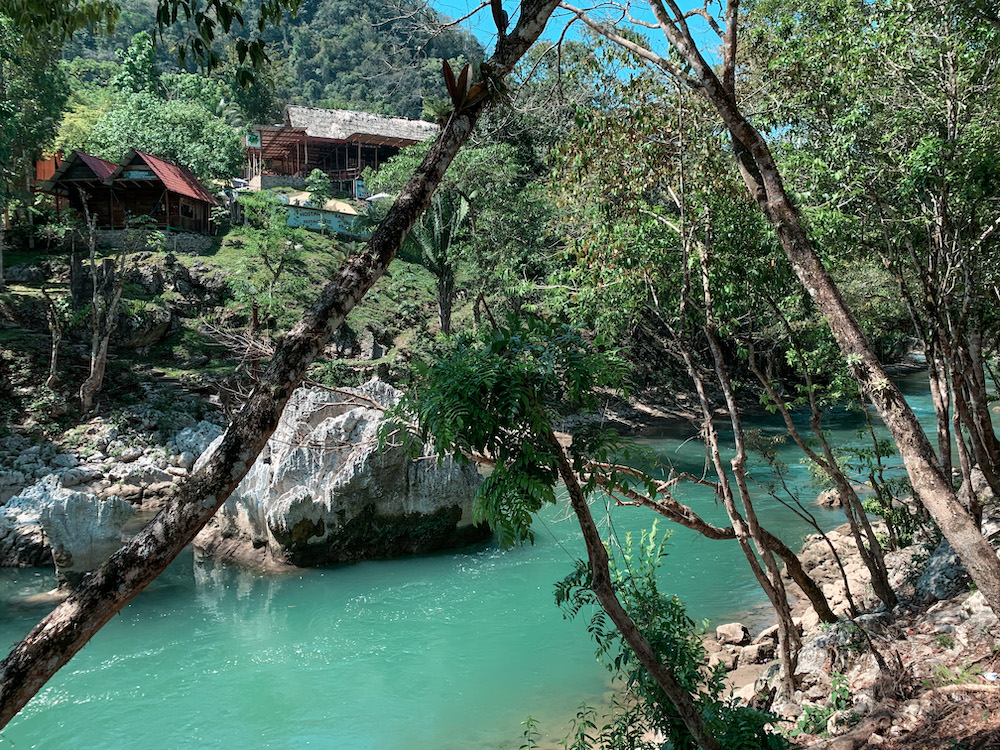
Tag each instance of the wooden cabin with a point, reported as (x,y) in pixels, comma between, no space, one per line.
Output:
(141,185)
(81,178)
(339,142)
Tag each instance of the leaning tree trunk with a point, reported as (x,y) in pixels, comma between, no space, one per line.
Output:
(61,634)
(603,589)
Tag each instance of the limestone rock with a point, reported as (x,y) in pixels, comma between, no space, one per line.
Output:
(63,461)
(758,653)
(144,475)
(767,634)
(976,604)
(812,660)
(48,522)
(944,576)
(194,440)
(80,475)
(22,540)
(152,326)
(729,659)
(733,632)
(979,630)
(830,499)
(130,454)
(83,530)
(321,492)
(11,483)
(25,273)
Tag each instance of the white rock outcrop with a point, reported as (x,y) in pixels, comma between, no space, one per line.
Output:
(49,523)
(83,531)
(321,491)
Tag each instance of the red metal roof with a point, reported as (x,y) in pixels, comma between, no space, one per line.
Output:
(176,179)
(102,169)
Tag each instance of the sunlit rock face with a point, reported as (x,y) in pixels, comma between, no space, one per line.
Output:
(321,492)
(48,523)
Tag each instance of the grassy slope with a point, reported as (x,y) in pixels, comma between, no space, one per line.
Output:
(400,310)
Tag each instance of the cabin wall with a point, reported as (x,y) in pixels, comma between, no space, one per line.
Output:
(100,203)
(113,208)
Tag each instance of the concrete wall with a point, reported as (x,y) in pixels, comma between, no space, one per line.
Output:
(311,218)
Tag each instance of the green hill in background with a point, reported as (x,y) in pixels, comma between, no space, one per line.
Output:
(376,55)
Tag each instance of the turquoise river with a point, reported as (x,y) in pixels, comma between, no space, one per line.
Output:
(443,652)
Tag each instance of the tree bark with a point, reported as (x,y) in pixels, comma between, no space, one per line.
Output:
(56,332)
(61,634)
(871,553)
(103,314)
(445,296)
(3,219)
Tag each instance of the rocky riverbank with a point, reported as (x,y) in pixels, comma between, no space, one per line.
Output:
(321,493)
(920,676)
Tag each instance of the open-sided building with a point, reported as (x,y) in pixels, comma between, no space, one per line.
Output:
(339,142)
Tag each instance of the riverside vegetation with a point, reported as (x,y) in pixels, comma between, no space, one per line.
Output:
(589,230)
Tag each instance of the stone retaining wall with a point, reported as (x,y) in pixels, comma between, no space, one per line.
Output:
(177,242)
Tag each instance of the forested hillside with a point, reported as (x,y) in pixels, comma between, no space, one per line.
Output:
(376,55)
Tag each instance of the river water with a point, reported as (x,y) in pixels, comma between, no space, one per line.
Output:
(441,652)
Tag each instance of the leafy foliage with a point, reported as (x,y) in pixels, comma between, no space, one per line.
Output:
(137,70)
(666,625)
(504,248)
(814,719)
(497,395)
(270,271)
(179,131)
(33,90)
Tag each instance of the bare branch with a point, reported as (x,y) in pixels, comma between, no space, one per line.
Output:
(608,33)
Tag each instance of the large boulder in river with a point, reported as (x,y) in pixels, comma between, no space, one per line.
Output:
(321,492)
(83,530)
(48,523)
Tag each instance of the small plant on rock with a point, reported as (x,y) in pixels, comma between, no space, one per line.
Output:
(816,718)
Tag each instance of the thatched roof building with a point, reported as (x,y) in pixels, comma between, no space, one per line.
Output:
(339,142)
(359,127)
